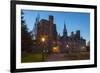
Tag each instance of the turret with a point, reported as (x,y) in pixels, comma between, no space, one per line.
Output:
(64,30)
(51,19)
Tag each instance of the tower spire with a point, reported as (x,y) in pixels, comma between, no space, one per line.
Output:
(64,30)
(34,31)
(37,18)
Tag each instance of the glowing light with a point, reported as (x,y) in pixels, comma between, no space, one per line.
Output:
(56,49)
(83,47)
(43,39)
(67,46)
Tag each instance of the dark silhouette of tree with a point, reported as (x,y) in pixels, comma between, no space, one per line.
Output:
(26,38)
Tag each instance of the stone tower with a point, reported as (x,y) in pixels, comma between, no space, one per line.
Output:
(65,30)
(35,27)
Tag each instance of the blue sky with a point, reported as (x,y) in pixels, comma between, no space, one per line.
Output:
(74,21)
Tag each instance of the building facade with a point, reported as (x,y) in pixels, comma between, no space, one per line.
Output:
(53,42)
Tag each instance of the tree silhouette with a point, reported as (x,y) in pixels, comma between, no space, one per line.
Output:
(26,38)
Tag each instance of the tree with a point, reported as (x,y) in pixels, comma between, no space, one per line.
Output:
(26,38)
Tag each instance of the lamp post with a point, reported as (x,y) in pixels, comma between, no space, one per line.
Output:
(43,41)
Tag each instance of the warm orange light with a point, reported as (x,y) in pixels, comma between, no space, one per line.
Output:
(56,49)
(43,39)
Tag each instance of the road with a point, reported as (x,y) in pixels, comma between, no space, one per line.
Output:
(56,57)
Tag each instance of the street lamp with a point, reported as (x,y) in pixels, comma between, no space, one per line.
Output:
(67,46)
(43,40)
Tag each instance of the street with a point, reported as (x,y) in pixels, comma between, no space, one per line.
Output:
(56,57)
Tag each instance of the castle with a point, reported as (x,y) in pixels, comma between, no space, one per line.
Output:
(53,41)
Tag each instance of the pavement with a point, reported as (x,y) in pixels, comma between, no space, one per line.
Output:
(56,57)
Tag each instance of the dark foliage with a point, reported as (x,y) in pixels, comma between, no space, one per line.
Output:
(26,38)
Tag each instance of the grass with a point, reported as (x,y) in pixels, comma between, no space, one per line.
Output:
(78,55)
(37,57)
(33,57)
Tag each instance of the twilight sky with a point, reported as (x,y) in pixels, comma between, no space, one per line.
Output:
(74,21)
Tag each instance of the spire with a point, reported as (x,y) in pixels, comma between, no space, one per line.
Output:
(64,30)
(37,18)
(34,31)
